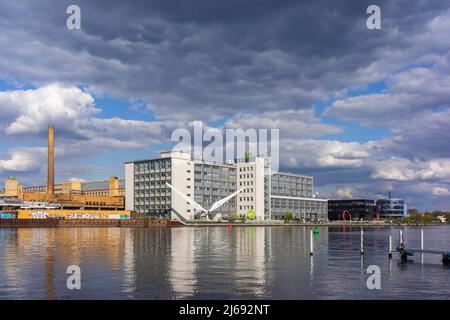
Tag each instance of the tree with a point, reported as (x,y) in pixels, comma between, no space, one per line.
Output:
(288,217)
(427,218)
(414,215)
(413,212)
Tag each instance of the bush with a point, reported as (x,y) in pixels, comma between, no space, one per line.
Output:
(233,217)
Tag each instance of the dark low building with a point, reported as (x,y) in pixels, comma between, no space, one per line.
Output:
(355,209)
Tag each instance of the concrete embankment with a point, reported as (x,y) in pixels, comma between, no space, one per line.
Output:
(312,224)
(43,223)
(40,223)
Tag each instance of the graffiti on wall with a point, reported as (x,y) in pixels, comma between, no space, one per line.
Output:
(39,215)
(83,216)
(69,214)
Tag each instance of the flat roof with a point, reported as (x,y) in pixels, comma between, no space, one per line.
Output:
(352,200)
(292,174)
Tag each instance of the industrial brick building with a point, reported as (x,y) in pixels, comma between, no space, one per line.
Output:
(112,187)
(72,194)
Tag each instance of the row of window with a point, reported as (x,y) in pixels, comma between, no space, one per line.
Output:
(148,207)
(151,183)
(290,178)
(247,168)
(214,173)
(200,188)
(152,191)
(296,204)
(207,167)
(292,193)
(209,182)
(214,189)
(153,164)
(153,175)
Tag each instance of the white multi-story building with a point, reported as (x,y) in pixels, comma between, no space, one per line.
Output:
(250,175)
(268,196)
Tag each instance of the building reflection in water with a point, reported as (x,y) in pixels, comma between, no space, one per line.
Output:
(152,257)
(128,262)
(35,259)
(250,259)
(206,260)
(182,267)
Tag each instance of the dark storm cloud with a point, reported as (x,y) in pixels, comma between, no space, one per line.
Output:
(219,56)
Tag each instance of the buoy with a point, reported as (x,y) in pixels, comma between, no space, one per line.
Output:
(316,230)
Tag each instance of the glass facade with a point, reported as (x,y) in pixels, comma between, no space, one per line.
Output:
(213,182)
(309,209)
(395,208)
(293,193)
(290,185)
(267,190)
(359,209)
(151,195)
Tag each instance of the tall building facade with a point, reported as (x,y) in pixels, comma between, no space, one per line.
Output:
(212,182)
(252,175)
(392,208)
(265,195)
(146,191)
(294,193)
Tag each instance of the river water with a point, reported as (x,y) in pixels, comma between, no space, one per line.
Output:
(218,263)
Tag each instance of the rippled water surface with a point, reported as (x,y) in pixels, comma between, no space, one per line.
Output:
(217,263)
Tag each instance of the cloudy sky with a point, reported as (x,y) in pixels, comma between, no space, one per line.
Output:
(363,111)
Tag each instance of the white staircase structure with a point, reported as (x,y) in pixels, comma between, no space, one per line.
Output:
(202,211)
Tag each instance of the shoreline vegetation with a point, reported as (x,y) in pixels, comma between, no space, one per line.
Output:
(281,223)
(414,218)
